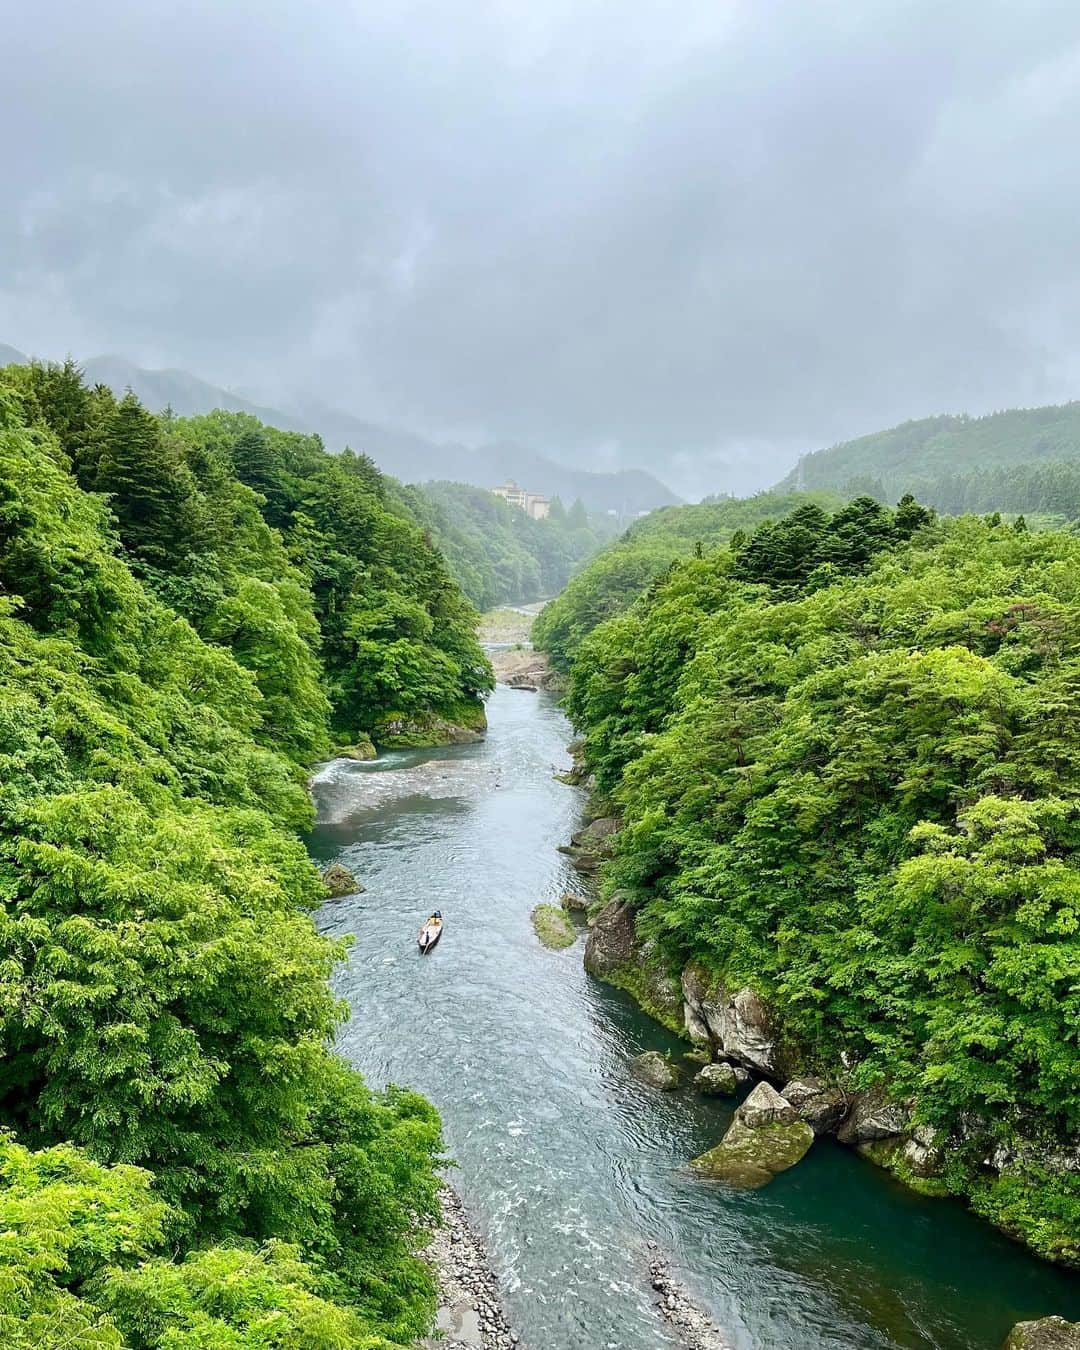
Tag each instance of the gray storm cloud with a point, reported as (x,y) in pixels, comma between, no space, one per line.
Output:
(696,238)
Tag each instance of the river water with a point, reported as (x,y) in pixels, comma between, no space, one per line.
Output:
(567,1165)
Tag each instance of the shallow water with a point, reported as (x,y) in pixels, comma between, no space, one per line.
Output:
(568,1165)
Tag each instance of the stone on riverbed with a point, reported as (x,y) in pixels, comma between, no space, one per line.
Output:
(654,1069)
(764,1138)
(552,927)
(720,1080)
(1048,1333)
(340,881)
(569,900)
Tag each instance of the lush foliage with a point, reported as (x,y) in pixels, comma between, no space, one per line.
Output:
(846,756)
(307,567)
(936,448)
(496,553)
(209,1173)
(616,576)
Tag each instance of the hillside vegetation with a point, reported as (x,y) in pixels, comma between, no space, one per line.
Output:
(496,553)
(617,575)
(844,752)
(1020,460)
(186,1165)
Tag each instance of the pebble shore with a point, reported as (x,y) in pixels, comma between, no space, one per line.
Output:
(470,1315)
(691,1326)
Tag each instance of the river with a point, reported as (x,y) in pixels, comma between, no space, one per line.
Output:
(567,1165)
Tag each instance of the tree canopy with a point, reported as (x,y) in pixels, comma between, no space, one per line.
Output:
(844,752)
(184,1163)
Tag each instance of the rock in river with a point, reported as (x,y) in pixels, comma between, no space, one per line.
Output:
(821,1106)
(340,881)
(764,1138)
(1048,1333)
(654,1069)
(720,1080)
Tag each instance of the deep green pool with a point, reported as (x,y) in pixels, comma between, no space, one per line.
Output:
(568,1165)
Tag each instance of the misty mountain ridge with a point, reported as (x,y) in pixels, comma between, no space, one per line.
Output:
(917,456)
(405,455)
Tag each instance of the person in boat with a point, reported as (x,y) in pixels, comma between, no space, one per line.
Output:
(432,921)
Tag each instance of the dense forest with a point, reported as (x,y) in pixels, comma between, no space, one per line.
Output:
(919,455)
(496,553)
(843,750)
(189,612)
(1047,495)
(618,574)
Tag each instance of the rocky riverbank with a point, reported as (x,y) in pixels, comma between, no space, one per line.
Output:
(504,635)
(689,1323)
(470,1314)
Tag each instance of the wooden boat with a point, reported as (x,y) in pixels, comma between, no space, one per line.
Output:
(429,935)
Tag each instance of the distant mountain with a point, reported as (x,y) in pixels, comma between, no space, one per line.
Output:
(918,455)
(411,458)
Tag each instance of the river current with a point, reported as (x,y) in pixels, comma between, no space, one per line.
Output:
(567,1165)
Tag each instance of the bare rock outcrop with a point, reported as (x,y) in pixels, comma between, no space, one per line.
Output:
(732,1023)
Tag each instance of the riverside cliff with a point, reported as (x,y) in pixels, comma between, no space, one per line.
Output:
(842,756)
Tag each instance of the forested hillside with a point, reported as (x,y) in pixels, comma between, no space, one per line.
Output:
(307,567)
(186,1163)
(616,576)
(1023,459)
(497,554)
(844,754)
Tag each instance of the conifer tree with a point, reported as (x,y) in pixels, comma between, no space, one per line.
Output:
(147,490)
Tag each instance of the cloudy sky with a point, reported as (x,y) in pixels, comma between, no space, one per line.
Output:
(697,237)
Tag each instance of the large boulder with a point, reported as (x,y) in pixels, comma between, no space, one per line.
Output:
(765,1106)
(736,1024)
(654,1069)
(1048,1333)
(339,881)
(821,1106)
(872,1117)
(720,1080)
(612,937)
(363,749)
(762,1140)
(591,845)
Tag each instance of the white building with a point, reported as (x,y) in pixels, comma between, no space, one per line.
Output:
(532,503)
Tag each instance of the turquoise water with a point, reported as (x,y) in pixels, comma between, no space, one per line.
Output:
(567,1165)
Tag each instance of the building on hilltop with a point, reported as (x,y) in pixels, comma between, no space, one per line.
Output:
(532,503)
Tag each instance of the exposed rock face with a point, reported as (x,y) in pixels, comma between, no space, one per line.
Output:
(613,953)
(871,1117)
(611,940)
(590,846)
(762,1140)
(920,1152)
(654,1069)
(340,881)
(737,1024)
(821,1106)
(719,1080)
(1048,1333)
